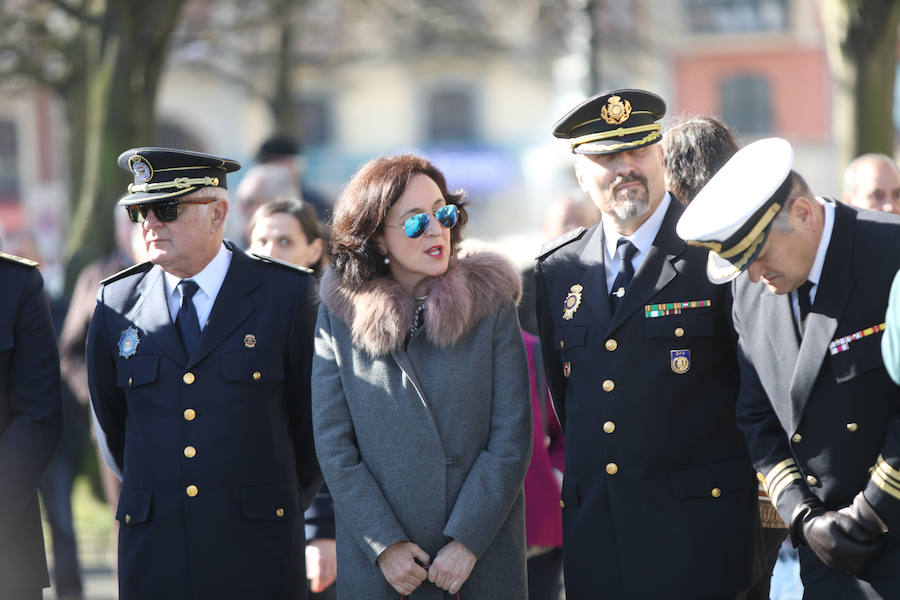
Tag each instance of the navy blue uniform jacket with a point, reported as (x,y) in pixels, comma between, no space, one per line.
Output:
(30,424)
(660,498)
(822,424)
(216,449)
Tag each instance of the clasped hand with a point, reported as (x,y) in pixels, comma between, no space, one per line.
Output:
(405,566)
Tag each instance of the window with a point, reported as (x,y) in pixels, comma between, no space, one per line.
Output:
(315,118)
(9,163)
(746,104)
(729,16)
(451,116)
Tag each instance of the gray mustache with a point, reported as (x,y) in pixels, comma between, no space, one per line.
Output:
(629,178)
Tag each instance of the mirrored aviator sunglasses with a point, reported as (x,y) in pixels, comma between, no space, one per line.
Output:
(416,225)
(166,212)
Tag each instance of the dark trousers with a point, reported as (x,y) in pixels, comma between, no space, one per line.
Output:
(56,491)
(545,575)
(771,539)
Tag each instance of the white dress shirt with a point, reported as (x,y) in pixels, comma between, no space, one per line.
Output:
(210,281)
(642,240)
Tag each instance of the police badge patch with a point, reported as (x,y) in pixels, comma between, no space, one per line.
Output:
(680,360)
(572,302)
(128,342)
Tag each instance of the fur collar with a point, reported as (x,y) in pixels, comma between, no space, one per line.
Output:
(380,313)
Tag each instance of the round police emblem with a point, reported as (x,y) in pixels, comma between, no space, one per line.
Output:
(128,342)
(572,301)
(680,361)
(141,168)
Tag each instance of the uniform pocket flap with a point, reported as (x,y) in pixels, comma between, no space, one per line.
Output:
(679,326)
(272,501)
(136,371)
(860,356)
(6,337)
(712,481)
(571,337)
(134,506)
(570,495)
(253,366)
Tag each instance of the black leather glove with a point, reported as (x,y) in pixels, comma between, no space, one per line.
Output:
(866,524)
(841,542)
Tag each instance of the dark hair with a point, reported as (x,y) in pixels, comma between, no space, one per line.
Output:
(362,206)
(304,212)
(694,150)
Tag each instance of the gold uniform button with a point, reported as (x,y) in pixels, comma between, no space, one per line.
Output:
(279,512)
(192,490)
(851,427)
(609,427)
(796,438)
(189,414)
(562,344)
(679,332)
(130,381)
(716,492)
(188,378)
(611,344)
(562,504)
(761,477)
(190,451)
(612,468)
(257,375)
(811,480)
(127,519)
(609,385)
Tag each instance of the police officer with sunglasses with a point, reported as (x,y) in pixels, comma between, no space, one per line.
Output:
(199,366)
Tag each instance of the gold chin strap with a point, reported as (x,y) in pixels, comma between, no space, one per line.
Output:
(178,183)
(614,133)
(747,241)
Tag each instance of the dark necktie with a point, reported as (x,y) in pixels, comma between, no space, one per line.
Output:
(625,250)
(187,322)
(804,303)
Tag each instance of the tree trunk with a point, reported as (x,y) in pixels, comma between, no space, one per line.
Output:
(861,42)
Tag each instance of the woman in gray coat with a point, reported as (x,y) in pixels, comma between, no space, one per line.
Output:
(420,395)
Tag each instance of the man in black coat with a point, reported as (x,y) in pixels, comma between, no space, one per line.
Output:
(659,498)
(30,424)
(819,412)
(198,366)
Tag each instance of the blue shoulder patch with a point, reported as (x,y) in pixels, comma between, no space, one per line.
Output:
(138,268)
(566,238)
(283,263)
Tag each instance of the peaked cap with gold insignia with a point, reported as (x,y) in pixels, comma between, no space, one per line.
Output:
(612,122)
(162,174)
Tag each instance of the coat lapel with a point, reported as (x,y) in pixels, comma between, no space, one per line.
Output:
(232,306)
(593,260)
(657,269)
(151,314)
(831,299)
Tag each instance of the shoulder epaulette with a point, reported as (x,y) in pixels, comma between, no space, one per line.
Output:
(18,259)
(138,268)
(283,263)
(566,238)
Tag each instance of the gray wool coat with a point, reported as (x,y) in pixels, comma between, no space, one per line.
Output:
(427,441)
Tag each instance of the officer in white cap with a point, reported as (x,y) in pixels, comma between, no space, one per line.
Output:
(659,495)
(820,415)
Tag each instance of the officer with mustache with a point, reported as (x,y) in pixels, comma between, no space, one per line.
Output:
(659,498)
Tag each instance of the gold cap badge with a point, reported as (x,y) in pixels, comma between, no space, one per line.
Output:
(616,110)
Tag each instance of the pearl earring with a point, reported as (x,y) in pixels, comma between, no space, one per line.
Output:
(387,260)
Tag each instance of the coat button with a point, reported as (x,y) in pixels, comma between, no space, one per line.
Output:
(851,427)
(796,438)
(190,451)
(130,382)
(811,480)
(257,375)
(562,344)
(188,378)
(611,344)
(612,468)
(192,490)
(716,492)
(609,385)
(189,414)
(279,512)
(679,332)
(609,427)
(562,504)
(127,519)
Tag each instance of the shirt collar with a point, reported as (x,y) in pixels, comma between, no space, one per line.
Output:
(210,279)
(815,273)
(643,237)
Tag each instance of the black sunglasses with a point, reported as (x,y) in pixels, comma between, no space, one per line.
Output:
(416,225)
(166,212)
